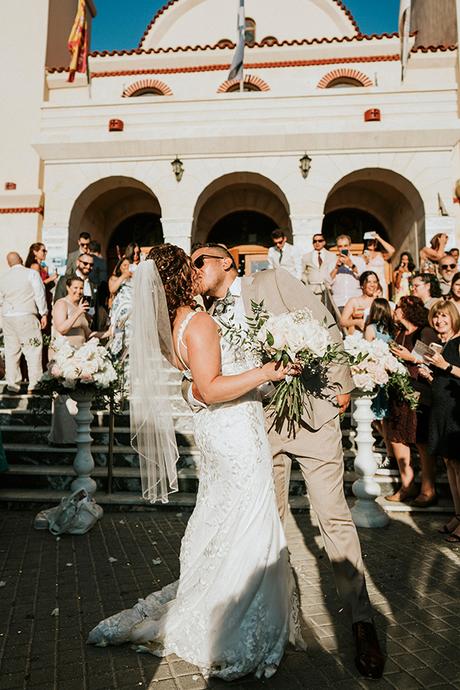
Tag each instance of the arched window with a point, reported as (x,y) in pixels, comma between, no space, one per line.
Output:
(269,41)
(249,31)
(225,43)
(147,92)
(147,87)
(343,83)
(247,86)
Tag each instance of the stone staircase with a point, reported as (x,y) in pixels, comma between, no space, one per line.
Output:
(42,473)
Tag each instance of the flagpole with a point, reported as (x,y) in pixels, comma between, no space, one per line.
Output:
(237,67)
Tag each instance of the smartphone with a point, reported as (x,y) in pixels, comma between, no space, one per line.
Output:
(86,300)
(345,252)
(436,347)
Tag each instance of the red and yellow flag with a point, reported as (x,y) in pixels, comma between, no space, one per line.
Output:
(78,42)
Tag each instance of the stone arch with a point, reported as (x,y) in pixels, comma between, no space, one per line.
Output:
(105,205)
(239,193)
(256,82)
(345,73)
(384,195)
(155,84)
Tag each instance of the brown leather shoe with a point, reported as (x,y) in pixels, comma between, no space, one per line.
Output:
(369,659)
(403,495)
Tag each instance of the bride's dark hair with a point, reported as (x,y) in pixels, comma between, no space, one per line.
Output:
(176,273)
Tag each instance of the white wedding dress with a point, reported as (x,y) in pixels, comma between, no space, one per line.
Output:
(234,608)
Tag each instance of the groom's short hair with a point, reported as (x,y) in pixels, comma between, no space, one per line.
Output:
(220,249)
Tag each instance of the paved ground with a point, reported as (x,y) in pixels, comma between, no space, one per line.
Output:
(413,580)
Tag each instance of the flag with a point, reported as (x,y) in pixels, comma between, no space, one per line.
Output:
(404,33)
(78,42)
(236,68)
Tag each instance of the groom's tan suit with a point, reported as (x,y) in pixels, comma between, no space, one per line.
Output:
(318,443)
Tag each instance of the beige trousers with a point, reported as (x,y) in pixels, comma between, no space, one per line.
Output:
(22,335)
(319,454)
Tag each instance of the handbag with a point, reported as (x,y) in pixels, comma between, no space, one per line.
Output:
(76,514)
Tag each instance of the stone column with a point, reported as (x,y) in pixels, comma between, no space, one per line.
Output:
(303,229)
(178,231)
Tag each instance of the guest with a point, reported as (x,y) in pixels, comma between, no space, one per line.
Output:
(356,310)
(425,286)
(121,290)
(36,260)
(85,265)
(345,274)
(376,260)
(99,273)
(317,266)
(429,256)
(70,320)
(84,239)
(24,315)
(284,255)
(121,274)
(455,252)
(447,267)
(444,432)
(454,294)
(402,276)
(407,427)
(133,254)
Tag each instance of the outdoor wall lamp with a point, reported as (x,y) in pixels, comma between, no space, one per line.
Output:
(305,165)
(178,168)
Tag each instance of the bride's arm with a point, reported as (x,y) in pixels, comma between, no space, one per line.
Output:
(203,348)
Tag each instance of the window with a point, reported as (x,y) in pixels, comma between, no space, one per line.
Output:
(147,91)
(247,86)
(250,31)
(343,83)
(225,43)
(269,41)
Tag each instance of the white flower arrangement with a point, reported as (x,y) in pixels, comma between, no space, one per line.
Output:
(70,367)
(373,365)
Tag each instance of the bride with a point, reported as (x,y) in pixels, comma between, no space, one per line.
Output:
(234,608)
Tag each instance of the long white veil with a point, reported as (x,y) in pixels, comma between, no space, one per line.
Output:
(151,346)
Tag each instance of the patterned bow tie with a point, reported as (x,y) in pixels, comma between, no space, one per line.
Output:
(222,305)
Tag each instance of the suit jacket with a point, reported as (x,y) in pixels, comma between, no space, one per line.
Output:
(71,265)
(282,293)
(316,276)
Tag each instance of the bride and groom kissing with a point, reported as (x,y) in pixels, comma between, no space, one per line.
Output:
(235,606)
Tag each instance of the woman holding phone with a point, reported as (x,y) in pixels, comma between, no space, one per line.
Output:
(70,320)
(357,309)
(375,259)
(444,429)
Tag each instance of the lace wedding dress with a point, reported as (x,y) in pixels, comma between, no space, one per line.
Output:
(235,607)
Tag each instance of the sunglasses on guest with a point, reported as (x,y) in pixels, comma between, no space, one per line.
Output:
(318,239)
(86,263)
(443,266)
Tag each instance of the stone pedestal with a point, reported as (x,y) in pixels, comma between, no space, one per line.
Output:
(83,463)
(366,512)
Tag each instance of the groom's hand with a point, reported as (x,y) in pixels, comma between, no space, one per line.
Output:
(343,400)
(196,393)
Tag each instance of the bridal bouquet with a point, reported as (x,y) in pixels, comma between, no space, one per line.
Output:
(71,368)
(373,364)
(287,338)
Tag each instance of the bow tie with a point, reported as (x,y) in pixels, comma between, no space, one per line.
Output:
(222,305)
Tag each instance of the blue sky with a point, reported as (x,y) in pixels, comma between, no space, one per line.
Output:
(120,25)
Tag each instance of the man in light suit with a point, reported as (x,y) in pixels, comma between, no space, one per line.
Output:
(317,266)
(24,313)
(318,442)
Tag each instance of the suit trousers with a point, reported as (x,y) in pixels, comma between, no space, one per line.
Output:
(22,335)
(320,456)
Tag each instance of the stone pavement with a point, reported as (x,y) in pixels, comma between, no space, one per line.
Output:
(413,578)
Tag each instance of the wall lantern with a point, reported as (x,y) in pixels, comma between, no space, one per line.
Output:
(372,115)
(9,186)
(178,168)
(116,125)
(305,165)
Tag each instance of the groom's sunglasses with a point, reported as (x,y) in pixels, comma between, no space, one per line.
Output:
(199,261)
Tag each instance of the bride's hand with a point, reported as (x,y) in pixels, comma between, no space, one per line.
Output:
(276,371)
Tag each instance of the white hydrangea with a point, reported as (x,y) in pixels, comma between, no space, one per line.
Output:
(90,363)
(295,332)
(378,364)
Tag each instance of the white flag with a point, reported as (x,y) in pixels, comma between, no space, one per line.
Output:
(404,33)
(236,69)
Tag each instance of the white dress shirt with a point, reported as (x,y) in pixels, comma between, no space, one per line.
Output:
(288,258)
(10,306)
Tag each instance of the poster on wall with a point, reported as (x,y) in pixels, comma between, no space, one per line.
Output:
(55,240)
(437,224)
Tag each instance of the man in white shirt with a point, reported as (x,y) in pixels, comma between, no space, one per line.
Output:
(284,255)
(317,266)
(24,313)
(345,274)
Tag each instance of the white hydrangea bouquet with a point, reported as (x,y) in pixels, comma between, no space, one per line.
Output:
(294,337)
(373,365)
(82,368)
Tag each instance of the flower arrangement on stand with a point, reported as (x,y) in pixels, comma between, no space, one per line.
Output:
(86,374)
(373,367)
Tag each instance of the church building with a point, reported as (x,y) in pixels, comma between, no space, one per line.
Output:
(157,144)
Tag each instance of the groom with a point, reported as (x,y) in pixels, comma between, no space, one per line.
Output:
(318,443)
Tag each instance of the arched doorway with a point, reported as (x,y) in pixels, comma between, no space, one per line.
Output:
(240,210)
(116,211)
(376,199)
